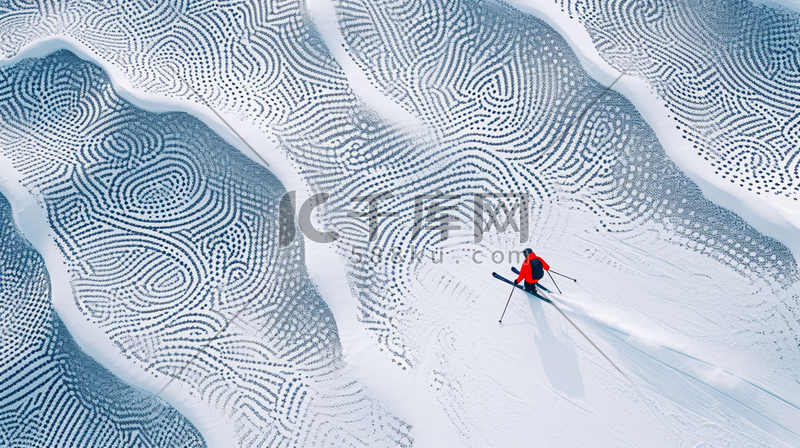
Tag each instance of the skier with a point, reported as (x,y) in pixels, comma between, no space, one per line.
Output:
(532,270)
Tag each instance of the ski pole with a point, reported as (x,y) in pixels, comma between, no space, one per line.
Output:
(513,287)
(554,281)
(554,272)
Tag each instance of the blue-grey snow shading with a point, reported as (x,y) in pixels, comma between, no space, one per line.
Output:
(262,61)
(168,232)
(51,393)
(729,72)
(498,84)
(495,87)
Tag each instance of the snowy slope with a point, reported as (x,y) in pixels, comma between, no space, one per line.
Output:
(53,394)
(727,75)
(691,302)
(167,233)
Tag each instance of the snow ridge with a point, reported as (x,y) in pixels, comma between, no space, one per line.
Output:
(53,394)
(728,72)
(169,232)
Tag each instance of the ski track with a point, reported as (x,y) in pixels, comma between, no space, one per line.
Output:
(754,403)
(494,88)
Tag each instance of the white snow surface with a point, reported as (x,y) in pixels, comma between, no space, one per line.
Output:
(532,380)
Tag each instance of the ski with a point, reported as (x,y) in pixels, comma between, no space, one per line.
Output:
(538,285)
(500,277)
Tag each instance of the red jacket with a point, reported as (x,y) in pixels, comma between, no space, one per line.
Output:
(525,271)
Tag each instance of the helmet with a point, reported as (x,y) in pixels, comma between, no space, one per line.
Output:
(527,251)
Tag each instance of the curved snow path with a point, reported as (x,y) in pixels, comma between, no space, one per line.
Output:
(53,394)
(484,84)
(745,397)
(168,233)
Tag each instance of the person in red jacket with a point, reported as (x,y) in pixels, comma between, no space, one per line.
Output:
(532,270)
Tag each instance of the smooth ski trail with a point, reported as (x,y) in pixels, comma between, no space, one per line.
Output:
(661,369)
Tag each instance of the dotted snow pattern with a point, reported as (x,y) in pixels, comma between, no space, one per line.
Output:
(500,93)
(53,394)
(491,79)
(729,74)
(170,232)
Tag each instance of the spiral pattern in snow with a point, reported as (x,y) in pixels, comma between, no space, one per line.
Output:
(51,393)
(169,232)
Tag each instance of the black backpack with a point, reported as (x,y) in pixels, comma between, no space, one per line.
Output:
(537,271)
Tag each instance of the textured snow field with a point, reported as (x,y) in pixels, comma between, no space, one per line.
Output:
(695,305)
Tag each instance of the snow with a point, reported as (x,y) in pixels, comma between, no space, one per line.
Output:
(32,222)
(776,217)
(680,325)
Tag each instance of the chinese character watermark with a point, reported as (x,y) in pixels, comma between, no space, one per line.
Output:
(436,212)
